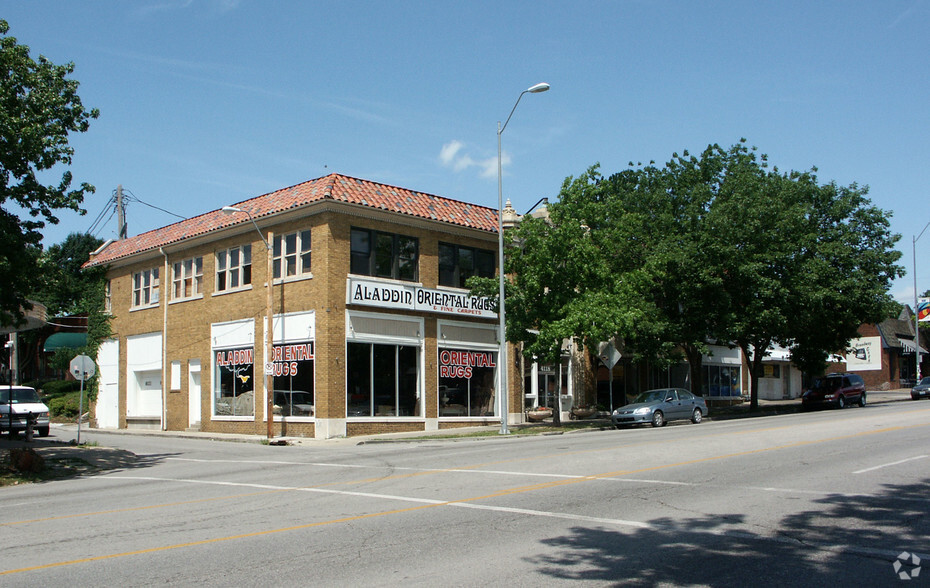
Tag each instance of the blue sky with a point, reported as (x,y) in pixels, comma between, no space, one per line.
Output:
(209,102)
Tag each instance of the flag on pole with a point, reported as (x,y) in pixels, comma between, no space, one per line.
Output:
(923,309)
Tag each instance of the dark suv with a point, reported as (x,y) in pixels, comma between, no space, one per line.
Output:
(836,390)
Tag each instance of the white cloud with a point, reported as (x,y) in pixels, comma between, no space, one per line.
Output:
(452,155)
(448,151)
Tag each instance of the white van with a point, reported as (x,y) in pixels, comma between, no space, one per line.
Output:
(25,401)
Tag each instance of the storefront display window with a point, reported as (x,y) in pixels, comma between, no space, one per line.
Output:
(720,380)
(293,380)
(234,384)
(466,382)
(382,380)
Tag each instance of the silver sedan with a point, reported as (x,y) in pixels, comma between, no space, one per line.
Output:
(660,406)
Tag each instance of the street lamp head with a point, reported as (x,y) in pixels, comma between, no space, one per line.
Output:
(540,87)
(231,209)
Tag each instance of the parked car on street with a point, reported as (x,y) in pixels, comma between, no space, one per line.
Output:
(922,389)
(25,403)
(660,406)
(836,390)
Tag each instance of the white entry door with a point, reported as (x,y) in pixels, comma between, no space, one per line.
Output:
(193,392)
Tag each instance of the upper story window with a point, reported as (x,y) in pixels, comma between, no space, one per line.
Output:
(108,297)
(145,288)
(187,278)
(457,264)
(233,268)
(292,255)
(384,255)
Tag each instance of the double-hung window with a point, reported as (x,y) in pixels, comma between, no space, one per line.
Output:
(233,268)
(145,288)
(292,255)
(384,255)
(187,278)
(457,264)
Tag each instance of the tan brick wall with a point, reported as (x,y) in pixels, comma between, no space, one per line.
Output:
(189,322)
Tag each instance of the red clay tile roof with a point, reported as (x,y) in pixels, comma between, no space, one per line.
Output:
(332,187)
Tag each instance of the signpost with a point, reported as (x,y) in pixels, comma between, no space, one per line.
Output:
(82,368)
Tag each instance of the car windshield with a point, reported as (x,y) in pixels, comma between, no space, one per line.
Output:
(26,395)
(651,396)
(827,384)
(925,381)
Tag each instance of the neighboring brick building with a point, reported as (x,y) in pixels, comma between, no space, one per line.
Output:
(884,354)
(373,331)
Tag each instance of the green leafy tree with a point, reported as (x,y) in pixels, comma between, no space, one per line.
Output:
(709,248)
(39,108)
(801,264)
(616,259)
(64,286)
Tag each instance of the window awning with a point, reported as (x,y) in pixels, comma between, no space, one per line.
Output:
(909,346)
(58,341)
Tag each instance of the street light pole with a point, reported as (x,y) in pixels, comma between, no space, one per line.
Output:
(269,326)
(502,352)
(916,314)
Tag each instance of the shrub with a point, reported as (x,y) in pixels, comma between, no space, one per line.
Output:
(64,405)
(56,388)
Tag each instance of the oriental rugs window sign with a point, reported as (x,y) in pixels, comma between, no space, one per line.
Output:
(288,358)
(417,298)
(461,364)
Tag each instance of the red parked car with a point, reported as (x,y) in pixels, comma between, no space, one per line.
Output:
(837,390)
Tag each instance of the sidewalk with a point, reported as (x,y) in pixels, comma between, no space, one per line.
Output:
(872,396)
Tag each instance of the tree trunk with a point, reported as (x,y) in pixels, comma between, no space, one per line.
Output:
(754,364)
(695,362)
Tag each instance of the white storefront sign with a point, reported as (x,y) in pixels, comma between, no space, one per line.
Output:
(864,354)
(417,298)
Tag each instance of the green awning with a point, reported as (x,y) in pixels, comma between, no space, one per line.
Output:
(58,341)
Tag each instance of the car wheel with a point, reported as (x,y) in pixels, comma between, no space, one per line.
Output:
(696,416)
(862,399)
(658,419)
(841,402)
(43,431)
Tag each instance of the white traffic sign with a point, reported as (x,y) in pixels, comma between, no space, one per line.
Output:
(608,355)
(82,368)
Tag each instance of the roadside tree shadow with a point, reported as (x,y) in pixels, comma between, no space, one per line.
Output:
(64,460)
(851,540)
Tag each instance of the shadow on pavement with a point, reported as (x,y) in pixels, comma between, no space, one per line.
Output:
(65,460)
(851,540)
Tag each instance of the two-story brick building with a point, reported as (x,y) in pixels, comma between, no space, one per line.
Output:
(373,328)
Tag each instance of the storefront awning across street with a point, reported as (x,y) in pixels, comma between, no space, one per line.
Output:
(909,347)
(58,341)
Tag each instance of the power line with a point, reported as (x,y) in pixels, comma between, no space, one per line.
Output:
(135,198)
(112,212)
(94,226)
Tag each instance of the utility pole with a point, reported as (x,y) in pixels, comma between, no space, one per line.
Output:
(120,213)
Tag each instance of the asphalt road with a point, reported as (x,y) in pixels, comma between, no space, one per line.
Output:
(823,498)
